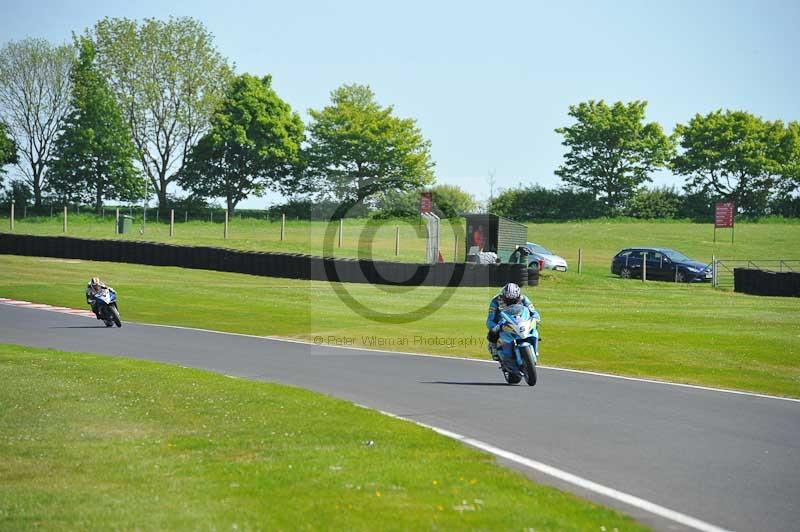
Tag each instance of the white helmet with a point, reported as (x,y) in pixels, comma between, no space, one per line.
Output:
(511,292)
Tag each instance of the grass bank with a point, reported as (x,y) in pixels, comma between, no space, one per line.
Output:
(91,442)
(263,235)
(682,333)
(598,239)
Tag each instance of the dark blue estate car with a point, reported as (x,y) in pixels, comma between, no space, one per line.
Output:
(662,263)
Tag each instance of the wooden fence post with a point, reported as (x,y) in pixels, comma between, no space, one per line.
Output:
(714,280)
(644,267)
(171,222)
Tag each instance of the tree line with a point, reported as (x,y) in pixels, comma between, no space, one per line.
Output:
(612,152)
(537,203)
(130,108)
(133,108)
(733,155)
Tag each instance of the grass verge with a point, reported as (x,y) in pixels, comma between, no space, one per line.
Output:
(599,240)
(90,442)
(681,333)
(264,235)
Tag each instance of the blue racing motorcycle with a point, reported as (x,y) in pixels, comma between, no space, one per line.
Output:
(106,304)
(520,328)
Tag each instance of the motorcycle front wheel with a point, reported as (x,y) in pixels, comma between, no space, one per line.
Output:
(512,378)
(530,366)
(115,315)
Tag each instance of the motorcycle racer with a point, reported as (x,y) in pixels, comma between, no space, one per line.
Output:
(511,294)
(93,288)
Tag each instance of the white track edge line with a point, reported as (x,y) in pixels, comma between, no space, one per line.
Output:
(12,302)
(575,480)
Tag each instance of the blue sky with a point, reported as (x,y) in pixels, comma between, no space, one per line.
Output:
(489,82)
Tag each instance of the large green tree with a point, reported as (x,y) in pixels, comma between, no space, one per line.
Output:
(253,144)
(8,150)
(733,154)
(357,149)
(34,99)
(168,78)
(790,174)
(93,157)
(611,150)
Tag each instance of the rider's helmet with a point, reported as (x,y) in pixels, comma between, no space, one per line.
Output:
(511,293)
(95,284)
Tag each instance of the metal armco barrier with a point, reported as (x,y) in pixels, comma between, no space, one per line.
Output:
(723,268)
(766,283)
(286,265)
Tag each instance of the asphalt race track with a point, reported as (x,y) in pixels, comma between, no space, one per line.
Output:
(718,460)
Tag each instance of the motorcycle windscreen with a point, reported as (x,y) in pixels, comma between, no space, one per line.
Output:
(519,312)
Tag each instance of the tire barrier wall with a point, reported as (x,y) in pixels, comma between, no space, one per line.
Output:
(766,283)
(286,265)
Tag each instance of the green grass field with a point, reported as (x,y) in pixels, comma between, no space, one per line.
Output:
(682,333)
(599,240)
(223,456)
(101,443)
(260,235)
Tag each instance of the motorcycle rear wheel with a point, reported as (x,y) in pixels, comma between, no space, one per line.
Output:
(530,366)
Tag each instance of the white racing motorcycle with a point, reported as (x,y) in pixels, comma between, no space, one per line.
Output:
(106,302)
(520,328)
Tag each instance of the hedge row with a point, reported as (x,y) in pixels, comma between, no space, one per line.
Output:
(765,283)
(287,265)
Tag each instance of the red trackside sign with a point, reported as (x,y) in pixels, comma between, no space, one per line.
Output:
(723,214)
(425,203)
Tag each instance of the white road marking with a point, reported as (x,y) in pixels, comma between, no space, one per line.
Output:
(575,480)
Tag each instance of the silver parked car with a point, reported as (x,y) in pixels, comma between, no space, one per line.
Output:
(551,260)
